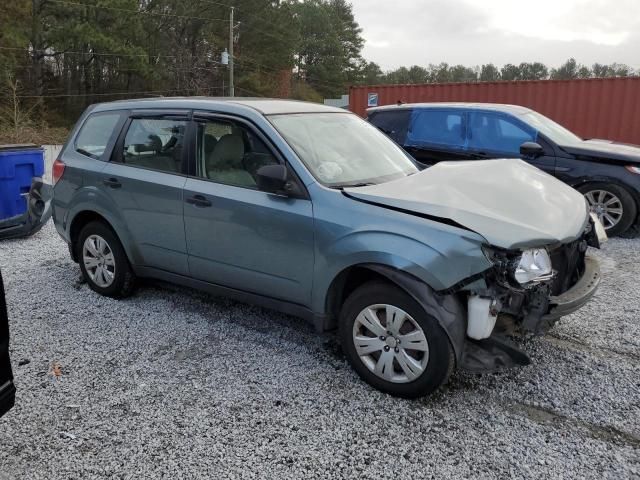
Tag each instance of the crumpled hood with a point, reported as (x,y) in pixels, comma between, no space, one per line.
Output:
(605,149)
(509,202)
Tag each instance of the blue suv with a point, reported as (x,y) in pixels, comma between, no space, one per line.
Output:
(606,173)
(312,211)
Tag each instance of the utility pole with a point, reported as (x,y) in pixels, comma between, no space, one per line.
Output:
(232,92)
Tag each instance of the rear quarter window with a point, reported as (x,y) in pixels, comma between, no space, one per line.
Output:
(95,134)
(394,123)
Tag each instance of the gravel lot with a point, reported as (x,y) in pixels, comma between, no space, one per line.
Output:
(172,383)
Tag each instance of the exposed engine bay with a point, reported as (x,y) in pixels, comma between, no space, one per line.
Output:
(526,293)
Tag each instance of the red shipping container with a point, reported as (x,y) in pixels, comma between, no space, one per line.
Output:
(606,108)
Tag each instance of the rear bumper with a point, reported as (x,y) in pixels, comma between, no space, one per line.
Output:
(574,298)
(37,214)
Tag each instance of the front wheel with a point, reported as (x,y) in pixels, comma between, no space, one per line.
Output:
(392,343)
(612,204)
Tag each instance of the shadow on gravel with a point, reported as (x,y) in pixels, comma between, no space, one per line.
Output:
(324,346)
(560,422)
(563,341)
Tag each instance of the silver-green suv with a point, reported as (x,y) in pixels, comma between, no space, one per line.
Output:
(312,211)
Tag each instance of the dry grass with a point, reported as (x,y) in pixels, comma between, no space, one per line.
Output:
(37,135)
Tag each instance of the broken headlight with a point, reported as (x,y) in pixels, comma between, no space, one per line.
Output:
(534,266)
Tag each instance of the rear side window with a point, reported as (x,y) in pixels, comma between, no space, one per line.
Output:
(155,143)
(498,133)
(94,136)
(394,123)
(436,127)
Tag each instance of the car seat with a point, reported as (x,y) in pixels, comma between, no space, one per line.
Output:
(225,162)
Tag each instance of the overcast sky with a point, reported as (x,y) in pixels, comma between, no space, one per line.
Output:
(419,32)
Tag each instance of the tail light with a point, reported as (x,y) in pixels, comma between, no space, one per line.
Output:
(57,170)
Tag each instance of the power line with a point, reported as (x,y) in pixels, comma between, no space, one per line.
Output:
(242,60)
(148,92)
(256,94)
(96,54)
(139,12)
(317,82)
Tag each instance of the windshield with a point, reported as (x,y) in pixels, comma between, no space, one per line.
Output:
(343,150)
(554,131)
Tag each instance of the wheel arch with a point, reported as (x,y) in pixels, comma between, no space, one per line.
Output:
(448,310)
(584,181)
(84,217)
(580,183)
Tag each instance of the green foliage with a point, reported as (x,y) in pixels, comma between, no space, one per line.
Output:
(489,73)
(75,53)
(327,54)
(444,73)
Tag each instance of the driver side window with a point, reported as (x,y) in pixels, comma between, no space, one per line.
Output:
(494,132)
(230,153)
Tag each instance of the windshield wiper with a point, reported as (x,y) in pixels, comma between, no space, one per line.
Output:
(353,185)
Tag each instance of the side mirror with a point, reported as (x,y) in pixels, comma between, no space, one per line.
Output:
(273,179)
(531,150)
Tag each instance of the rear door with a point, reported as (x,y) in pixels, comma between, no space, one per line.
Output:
(7,389)
(499,135)
(145,178)
(437,134)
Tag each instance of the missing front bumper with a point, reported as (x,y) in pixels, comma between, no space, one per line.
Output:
(498,352)
(574,298)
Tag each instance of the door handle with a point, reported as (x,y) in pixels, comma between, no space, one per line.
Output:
(113,183)
(198,201)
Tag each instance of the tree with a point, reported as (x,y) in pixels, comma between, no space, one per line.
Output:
(328,51)
(510,72)
(533,71)
(569,70)
(370,73)
(489,73)
(460,73)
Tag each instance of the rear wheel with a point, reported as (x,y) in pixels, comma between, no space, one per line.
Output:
(613,205)
(392,343)
(103,261)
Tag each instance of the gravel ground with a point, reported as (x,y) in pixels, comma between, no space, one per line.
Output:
(172,383)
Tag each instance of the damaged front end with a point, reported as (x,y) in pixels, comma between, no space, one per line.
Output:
(525,293)
(37,214)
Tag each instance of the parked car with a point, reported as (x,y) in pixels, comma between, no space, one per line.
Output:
(312,211)
(7,388)
(607,173)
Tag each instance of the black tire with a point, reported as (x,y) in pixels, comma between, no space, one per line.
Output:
(629,207)
(123,282)
(441,359)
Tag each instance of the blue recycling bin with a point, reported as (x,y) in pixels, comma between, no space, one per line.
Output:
(19,164)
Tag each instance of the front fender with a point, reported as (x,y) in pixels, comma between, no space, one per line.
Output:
(440,265)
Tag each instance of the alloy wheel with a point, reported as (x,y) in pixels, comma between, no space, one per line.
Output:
(390,343)
(607,207)
(98,261)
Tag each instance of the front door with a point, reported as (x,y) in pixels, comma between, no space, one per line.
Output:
(237,235)
(499,135)
(145,179)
